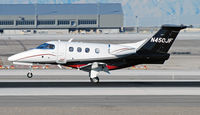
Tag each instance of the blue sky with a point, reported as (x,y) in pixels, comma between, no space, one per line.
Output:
(149,12)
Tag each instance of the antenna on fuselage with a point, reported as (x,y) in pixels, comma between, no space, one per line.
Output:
(71,40)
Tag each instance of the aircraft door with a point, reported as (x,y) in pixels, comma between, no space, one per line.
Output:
(61,53)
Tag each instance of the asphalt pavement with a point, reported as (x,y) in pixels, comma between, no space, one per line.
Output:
(125,92)
(100,105)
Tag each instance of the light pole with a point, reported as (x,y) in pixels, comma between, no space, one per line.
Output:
(98,11)
(137,24)
(36,15)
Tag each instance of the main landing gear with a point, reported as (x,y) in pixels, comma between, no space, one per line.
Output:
(94,80)
(93,76)
(95,69)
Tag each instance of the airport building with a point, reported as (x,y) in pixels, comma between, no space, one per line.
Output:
(72,17)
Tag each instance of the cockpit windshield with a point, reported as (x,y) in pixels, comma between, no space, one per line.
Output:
(46,46)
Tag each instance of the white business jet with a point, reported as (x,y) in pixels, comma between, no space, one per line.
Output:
(96,57)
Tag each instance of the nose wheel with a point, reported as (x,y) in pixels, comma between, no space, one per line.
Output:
(29,75)
(94,80)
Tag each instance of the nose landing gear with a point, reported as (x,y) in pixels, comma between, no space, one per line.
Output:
(30,74)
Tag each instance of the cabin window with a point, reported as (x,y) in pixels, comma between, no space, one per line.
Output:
(97,50)
(25,22)
(46,46)
(84,22)
(71,49)
(6,22)
(87,50)
(63,22)
(46,22)
(79,49)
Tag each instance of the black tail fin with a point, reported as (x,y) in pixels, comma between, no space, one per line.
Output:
(162,40)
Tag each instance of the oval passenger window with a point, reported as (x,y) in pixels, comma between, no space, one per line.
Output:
(87,50)
(97,50)
(79,49)
(71,49)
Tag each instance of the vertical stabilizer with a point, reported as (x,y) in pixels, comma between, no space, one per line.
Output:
(162,40)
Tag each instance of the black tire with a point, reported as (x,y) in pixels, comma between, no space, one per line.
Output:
(94,80)
(29,75)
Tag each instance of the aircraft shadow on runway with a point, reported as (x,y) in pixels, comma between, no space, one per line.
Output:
(102,84)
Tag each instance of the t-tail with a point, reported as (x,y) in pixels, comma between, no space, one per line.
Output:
(161,42)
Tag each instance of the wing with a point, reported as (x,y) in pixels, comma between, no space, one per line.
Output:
(95,66)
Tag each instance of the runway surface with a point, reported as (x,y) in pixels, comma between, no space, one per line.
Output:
(124,92)
(105,84)
(121,82)
(100,105)
(76,101)
(124,75)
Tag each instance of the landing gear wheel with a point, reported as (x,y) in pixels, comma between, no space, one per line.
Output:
(94,80)
(29,75)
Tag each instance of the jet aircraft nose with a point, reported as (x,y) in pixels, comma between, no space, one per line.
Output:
(12,58)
